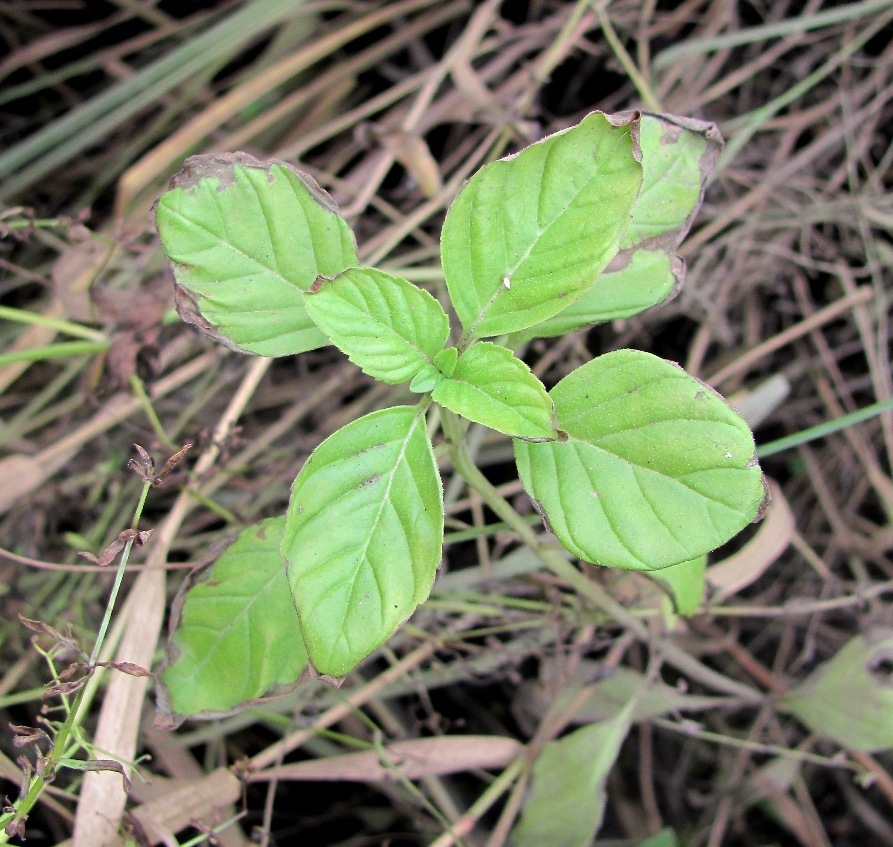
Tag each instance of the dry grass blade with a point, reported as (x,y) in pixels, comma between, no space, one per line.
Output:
(101,807)
(412,759)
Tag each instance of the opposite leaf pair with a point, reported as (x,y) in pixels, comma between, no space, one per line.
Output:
(396,332)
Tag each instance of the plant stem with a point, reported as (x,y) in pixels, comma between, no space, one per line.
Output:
(823,429)
(563,569)
(649,98)
(61,739)
(469,820)
(62,350)
(77,330)
(549,556)
(109,608)
(139,390)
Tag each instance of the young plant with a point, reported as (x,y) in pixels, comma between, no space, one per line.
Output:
(631,462)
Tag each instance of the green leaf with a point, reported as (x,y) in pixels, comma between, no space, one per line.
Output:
(493,387)
(246,238)
(651,277)
(426,379)
(657,468)
(388,327)
(678,156)
(363,535)
(446,360)
(850,697)
(567,797)
(235,633)
(684,583)
(530,233)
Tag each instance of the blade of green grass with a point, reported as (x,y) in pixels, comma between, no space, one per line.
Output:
(823,429)
(64,349)
(35,319)
(779,29)
(746,126)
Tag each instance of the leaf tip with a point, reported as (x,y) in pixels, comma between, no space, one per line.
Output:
(628,120)
(329,679)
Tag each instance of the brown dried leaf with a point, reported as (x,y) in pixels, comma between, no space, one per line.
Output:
(25,735)
(107,556)
(138,309)
(75,271)
(131,350)
(45,769)
(16,827)
(104,765)
(86,554)
(45,629)
(71,670)
(412,759)
(62,686)
(172,462)
(201,798)
(144,467)
(126,667)
(65,688)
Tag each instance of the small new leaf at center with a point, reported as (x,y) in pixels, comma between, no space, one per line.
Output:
(387,326)
(491,386)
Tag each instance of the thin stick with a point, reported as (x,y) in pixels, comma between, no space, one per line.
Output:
(823,316)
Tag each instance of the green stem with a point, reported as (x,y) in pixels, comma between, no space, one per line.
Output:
(549,556)
(649,98)
(823,429)
(555,561)
(65,349)
(23,316)
(213,506)
(31,223)
(61,739)
(119,576)
(479,808)
(136,384)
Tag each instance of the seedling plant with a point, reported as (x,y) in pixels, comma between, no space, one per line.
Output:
(631,462)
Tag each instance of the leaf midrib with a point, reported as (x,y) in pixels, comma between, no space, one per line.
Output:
(230,246)
(541,231)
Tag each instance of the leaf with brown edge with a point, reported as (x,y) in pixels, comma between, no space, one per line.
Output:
(246,237)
